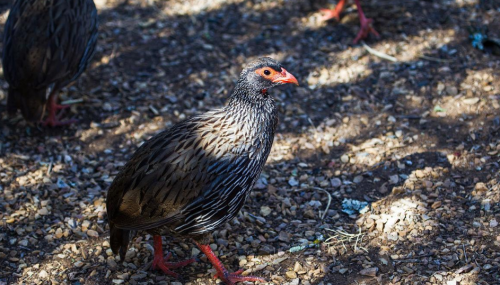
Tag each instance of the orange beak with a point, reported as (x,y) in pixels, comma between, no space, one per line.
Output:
(286,77)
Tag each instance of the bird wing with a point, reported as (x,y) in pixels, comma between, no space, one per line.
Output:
(48,41)
(188,178)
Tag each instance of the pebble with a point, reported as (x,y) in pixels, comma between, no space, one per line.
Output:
(335,182)
(291,274)
(195,251)
(92,233)
(297,267)
(112,264)
(265,211)
(43,274)
(284,236)
(372,271)
(293,182)
(344,158)
(43,211)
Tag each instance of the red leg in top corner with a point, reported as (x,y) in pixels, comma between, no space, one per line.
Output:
(365,24)
(222,273)
(161,263)
(53,119)
(333,13)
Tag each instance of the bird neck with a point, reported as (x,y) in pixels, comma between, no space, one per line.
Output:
(247,96)
(253,109)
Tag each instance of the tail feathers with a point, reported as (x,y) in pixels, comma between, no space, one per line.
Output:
(119,240)
(31,103)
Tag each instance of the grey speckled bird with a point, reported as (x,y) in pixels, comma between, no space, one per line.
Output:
(191,179)
(47,45)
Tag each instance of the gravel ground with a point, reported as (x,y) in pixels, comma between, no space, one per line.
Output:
(417,138)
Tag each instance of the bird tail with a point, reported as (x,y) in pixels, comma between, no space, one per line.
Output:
(31,103)
(119,240)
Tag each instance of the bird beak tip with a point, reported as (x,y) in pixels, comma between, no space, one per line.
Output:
(287,78)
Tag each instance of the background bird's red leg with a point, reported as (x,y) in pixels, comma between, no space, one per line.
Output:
(161,263)
(365,24)
(53,119)
(222,273)
(333,13)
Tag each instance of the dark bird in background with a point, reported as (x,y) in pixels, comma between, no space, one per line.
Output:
(47,45)
(365,24)
(189,180)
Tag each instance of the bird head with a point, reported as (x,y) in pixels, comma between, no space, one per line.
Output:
(265,73)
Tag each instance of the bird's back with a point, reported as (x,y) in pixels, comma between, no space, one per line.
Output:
(47,42)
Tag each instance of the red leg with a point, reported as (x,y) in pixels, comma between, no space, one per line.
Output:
(53,119)
(160,262)
(366,25)
(333,13)
(222,273)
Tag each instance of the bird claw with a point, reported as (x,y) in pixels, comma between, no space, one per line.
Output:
(163,265)
(232,278)
(366,29)
(329,14)
(55,120)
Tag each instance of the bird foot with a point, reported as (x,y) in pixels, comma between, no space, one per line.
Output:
(161,263)
(329,14)
(366,29)
(232,278)
(54,120)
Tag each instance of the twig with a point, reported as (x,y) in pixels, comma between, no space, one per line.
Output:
(434,59)
(319,189)
(379,54)
(49,169)
(72,101)
(465,253)
(343,236)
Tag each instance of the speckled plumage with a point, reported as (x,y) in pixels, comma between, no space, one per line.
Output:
(192,178)
(47,43)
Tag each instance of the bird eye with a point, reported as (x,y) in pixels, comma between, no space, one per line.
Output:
(267,72)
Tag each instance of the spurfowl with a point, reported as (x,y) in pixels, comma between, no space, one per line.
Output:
(47,45)
(365,24)
(189,180)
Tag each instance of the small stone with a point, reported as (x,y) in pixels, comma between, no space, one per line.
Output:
(92,233)
(481,187)
(284,236)
(493,223)
(43,274)
(195,251)
(265,211)
(59,233)
(471,101)
(394,179)
(112,264)
(358,179)
(43,211)
(344,158)
(372,271)
(297,267)
(291,274)
(79,263)
(85,225)
(293,182)
(436,205)
(335,182)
